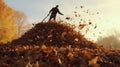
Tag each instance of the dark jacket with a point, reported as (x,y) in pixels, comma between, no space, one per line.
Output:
(55,11)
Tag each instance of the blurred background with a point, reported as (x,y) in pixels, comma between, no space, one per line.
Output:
(103,14)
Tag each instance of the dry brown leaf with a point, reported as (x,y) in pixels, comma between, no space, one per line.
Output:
(60,62)
(43,47)
(76,39)
(63,35)
(49,36)
(38,36)
(70,55)
(86,54)
(37,64)
(93,61)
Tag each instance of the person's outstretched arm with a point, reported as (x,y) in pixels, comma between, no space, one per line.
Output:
(59,12)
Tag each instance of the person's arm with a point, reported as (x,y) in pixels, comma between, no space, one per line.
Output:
(50,11)
(59,12)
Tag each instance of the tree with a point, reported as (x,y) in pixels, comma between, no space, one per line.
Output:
(111,41)
(20,20)
(7,26)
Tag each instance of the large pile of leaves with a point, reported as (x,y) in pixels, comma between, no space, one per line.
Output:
(56,45)
(57,34)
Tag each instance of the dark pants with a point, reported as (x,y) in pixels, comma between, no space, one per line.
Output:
(53,16)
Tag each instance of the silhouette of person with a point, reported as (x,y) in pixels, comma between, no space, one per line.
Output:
(54,12)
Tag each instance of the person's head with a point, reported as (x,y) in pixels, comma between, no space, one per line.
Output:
(57,6)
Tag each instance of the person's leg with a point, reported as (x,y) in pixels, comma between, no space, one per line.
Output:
(54,18)
(50,19)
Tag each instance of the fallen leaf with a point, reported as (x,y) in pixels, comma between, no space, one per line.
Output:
(93,61)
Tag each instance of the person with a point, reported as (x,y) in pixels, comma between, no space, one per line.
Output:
(54,12)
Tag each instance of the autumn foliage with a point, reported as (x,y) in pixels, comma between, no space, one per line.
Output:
(55,33)
(7,25)
(13,23)
(56,45)
(49,44)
